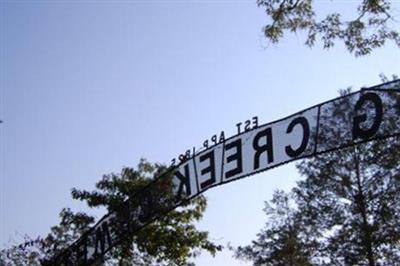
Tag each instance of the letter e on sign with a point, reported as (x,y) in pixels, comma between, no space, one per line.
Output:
(208,167)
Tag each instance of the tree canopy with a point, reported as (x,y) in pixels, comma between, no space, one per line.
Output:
(345,211)
(171,240)
(280,242)
(370,28)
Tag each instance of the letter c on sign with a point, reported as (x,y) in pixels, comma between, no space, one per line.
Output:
(359,132)
(302,121)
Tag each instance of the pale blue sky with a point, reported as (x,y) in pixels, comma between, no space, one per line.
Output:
(89,87)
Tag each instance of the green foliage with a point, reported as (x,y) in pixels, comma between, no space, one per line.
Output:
(279,243)
(170,240)
(345,211)
(32,251)
(349,201)
(369,29)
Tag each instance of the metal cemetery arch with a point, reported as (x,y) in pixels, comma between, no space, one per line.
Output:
(369,114)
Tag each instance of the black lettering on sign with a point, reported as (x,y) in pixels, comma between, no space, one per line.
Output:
(65,260)
(182,158)
(81,251)
(222,137)
(260,149)
(359,132)
(398,104)
(210,169)
(255,122)
(102,235)
(238,127)
(184,180)
(367,118)
(147,207)
(237,156)
(302,121)
(247,125)
(214,139)
(205,144)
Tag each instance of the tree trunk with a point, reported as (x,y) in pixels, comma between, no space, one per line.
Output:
(361,204)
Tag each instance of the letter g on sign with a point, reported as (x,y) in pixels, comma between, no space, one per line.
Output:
(365,133)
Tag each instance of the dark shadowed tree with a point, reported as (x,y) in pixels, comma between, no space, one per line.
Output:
(372,25)
(170,240)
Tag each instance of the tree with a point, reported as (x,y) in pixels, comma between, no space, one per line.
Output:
(280,242)
(346,209)
(370,28)
(33,251)
(349,198)
(170,240)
